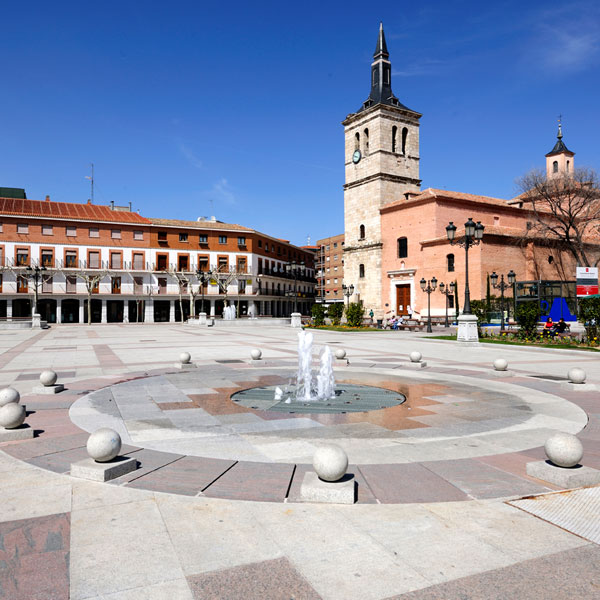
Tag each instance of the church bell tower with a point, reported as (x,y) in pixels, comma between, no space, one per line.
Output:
(381,166)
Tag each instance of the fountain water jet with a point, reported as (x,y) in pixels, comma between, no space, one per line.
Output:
(306,388)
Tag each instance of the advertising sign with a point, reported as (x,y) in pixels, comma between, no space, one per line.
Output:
(587,281)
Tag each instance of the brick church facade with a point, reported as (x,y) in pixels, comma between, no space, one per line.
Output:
(395,232)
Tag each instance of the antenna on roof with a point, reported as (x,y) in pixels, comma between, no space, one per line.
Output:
(91,181)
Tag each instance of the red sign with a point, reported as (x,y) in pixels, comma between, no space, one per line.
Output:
(587,290)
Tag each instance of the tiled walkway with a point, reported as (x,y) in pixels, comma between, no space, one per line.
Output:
(213,512)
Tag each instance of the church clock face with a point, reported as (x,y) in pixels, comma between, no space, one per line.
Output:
(356,156)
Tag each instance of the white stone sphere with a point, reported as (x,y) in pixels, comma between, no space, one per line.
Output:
(255,354)
(340,353)
(576,375)
(9,395)
(563,449)
(415,356)
(330,462)
(48,378)
(12,415)
(500,364)
(104,444)
(184,358)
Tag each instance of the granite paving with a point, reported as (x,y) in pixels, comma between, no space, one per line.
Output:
(213,509)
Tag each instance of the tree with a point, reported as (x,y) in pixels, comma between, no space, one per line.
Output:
(355,313)
(335,312)
(92,280)
(565,211)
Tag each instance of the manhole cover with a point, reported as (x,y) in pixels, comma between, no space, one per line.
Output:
(348,398)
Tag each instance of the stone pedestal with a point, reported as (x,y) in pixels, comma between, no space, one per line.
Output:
(314,489)
(103,471)
(578,387)
(296,320)
(467,329)
(36,321)
(48,389)
(24,432)
(179,365)
(506,373)
(415,365)
(202,318)
(566,477)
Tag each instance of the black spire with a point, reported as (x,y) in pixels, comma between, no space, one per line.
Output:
(381,77)
(559,147)
(381,50)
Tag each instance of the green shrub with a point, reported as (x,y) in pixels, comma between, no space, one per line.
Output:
(527,316)
(479,309)
(354,314)
(589,314)
(318,314)
(335,312)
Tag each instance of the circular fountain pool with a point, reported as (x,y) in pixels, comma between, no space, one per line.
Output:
(348,398)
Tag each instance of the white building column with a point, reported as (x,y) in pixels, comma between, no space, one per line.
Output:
(9,309)
(212,307)
(125,311)
(58,310)
(82,315)
(171,311)
(103,312)
(149,311)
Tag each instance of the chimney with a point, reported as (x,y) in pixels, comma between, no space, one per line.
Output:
(130,207)
(47,198)
(112,205)
(89,201)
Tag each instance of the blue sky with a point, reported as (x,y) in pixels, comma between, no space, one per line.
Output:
(235,109)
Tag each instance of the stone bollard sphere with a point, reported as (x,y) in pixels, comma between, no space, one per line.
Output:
(12,415)
(415,356)
(104,444)
(500,364)
(48,378)
(184,358)
(563,449)
(255,354)
(340,353)
(9,395)
(576,375)
(330,462)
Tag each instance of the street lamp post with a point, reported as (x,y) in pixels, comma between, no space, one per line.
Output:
(203,277)
(467,322)
(428,287)
(447,291)
(502,286)
(348,290)
(473,236)
(35,273)
(295,269)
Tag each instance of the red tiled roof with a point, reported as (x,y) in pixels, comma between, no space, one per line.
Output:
(199,224)
(431,193)
(68,210)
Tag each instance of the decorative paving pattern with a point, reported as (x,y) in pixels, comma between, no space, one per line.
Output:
(577,511)
(34,555)
(348,398)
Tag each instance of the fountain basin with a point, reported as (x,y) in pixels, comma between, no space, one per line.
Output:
(348,398)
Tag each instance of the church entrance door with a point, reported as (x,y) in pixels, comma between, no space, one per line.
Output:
(402,300)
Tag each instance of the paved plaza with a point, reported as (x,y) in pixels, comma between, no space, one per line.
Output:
(445,508)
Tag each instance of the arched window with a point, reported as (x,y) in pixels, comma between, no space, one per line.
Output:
(357,141)
(366,141)
(402,247)
(568,165)
(361,232)
(361,270)
(404,138)
(555,166)
(394,138)
(450,262)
